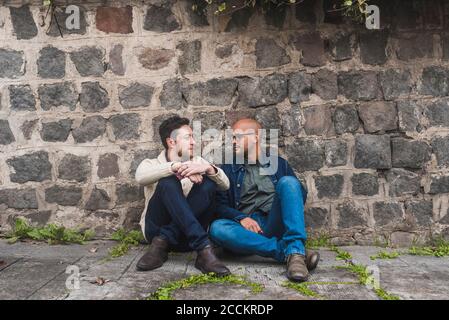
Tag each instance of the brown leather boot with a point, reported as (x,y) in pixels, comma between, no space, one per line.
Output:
(156,255)
(312,259)
(296,268)
(207,262)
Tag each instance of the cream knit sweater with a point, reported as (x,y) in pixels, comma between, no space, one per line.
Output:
(150,171)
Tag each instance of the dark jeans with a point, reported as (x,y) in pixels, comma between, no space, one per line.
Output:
(183,221)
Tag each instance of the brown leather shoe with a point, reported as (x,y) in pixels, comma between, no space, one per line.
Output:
(156,255)
(296,268)
(207,262)
(312,259)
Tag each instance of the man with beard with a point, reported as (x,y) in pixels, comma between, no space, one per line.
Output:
(262,213)
(180,200)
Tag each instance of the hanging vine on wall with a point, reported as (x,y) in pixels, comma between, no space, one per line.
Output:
(354,9)
(52,11)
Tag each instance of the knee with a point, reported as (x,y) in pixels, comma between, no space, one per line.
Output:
(288,182)
(207,186)
(169,183)
(218,230)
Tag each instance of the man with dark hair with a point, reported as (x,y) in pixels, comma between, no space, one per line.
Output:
(262,213)
(180,193)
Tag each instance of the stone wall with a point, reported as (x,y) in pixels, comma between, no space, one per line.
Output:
(364,114)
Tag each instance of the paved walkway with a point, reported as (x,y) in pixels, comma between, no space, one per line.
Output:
(38,271)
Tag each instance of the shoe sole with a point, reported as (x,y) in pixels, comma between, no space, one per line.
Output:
(153,268)
(313,263)
(217,274)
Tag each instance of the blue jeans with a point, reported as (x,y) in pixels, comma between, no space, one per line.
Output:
(283,227)
(181,220)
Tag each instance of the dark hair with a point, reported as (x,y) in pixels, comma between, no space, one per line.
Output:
(169,125)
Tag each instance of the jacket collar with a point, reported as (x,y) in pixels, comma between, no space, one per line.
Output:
(161,157)
(237,167)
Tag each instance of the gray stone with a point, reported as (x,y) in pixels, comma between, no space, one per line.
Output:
(58,94)
(51,63)
(116,60)
(305,155)
(56,131)
(155,59)
(270,54)
(372,151)
(365,184)
(33,166)
(358,85)
(336,152)
(39,218)
(190,58)
(346,119)
(350,215)
(439,184)
(378,116)
(108,166)
(23,22)
(434,81)
(139,156)
(224,51)
(6,135)
(409,113)
(213,92)
(386,213)
(61,16)
(132,219)
(171,95)
(76,168)
(324,84)
(21,98)
(329,186)
(127,193)
(312,47)
(395,82)
(373,47)
(89,129)
(305,11)
(89,61)
(415,46)
(160,19)
(440,146)
(290,121)
(299,87)
(197,17)
(275,15)
(421,210)
(402,182)
(262,91)
(316,217)
(99,199)
(93,97)
(408,153)
(135,95)
(27,128)
(125,126)
(269,118)
(318,120)
(210,120)
(437,113)
(11,62)
(341,47)
(19,198)
(64,195)
(239,20)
